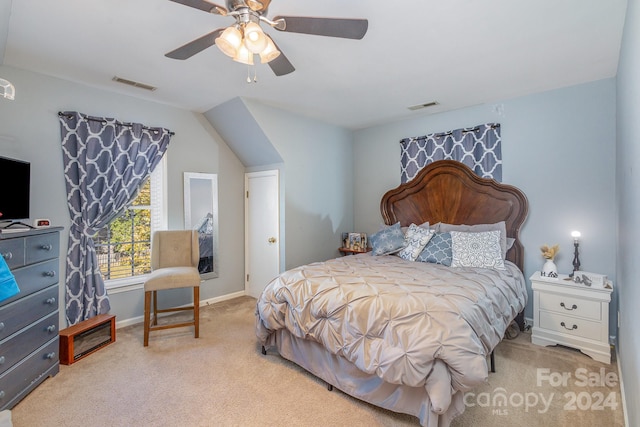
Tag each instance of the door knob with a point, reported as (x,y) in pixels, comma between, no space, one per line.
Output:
(272,240)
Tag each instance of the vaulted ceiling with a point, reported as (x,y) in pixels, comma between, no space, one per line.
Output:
(455,52)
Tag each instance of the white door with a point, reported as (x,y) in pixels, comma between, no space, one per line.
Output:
(262,218)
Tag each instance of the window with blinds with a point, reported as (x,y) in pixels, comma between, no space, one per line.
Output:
(124,245)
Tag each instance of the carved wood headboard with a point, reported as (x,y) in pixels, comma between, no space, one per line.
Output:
(448,191)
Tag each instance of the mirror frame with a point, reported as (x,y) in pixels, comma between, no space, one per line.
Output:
(201,195)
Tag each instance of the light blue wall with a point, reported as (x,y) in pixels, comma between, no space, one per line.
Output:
(29,130)
(317,175)
(558,147)
(628,203)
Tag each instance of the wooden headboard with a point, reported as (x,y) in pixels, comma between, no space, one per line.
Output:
(448,191)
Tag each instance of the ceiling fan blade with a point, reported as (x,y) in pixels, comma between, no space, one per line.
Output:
(281,65)
(332,27)
(195,46)
(203,5)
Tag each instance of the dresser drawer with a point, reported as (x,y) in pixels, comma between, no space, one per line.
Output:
(42,247)
(12,251)
(19,345)
(34,277)
(19,314)
(570,325)
(567,304)
(23,375)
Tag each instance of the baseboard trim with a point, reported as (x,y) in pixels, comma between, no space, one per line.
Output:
(140,319)
(624,400)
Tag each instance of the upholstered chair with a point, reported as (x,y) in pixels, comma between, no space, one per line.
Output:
(174,264)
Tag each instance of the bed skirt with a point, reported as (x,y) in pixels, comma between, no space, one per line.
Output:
(342,374)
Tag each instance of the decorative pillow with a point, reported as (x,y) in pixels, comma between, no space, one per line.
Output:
(438,250)
(389,240)
(477,250)
(500,226)
(415,241)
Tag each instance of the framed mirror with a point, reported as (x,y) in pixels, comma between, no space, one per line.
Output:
(201,213)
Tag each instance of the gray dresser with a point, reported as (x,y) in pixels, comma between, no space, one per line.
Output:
(29,320)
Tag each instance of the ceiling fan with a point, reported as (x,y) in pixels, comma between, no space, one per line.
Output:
(244,39)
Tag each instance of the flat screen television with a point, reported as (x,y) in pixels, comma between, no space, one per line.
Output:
(15,176)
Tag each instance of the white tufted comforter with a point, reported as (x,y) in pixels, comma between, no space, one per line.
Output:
(410,323)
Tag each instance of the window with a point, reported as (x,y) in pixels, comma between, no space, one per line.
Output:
(124,245)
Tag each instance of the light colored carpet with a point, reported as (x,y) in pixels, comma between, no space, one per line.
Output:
(222,379)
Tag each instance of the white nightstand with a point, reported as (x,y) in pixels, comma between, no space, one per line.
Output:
(571,314)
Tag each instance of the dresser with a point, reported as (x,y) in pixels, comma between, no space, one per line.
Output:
(571,314)
(29,320)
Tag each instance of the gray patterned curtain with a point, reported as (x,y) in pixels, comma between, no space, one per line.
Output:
(478,147)
(105,164)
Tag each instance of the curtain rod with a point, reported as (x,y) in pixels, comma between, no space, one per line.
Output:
(96,119)
(464,130)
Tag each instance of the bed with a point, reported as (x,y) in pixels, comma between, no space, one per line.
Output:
(407,336)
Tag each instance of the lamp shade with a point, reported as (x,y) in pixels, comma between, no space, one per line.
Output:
(244,55)
(270,52)
(254,38)
(7,90)
(230,41)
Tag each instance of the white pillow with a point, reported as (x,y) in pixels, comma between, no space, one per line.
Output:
(481,249)
(415,240)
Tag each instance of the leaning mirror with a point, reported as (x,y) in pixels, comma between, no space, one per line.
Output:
(201,213)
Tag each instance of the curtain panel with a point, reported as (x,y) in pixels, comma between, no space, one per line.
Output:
(478,147)
(105,164)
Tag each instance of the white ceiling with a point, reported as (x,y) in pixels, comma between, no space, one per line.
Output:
(456,52)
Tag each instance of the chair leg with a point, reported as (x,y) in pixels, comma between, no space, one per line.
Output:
(155,307)
(196,310)
(147,315)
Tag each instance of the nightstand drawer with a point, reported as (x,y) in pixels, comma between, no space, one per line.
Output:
(570,325)
(567,304)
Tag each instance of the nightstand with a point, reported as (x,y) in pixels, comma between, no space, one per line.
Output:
(571,314)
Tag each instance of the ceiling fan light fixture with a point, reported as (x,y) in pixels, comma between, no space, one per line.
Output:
(270,52)
(7,90)
(254,38)
(230,41)
(244,55)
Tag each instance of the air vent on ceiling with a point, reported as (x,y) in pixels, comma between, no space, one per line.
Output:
(134,84)
(421,106)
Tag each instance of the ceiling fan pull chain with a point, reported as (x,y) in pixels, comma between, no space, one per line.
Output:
(255,75)
(248,73)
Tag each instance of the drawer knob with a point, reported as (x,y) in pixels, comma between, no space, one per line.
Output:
(7,255)
(573,307)
(569,329)
(51,328)
(50,301)
(2,359)
(49,273)
(1,326)
(1,394)
(47,247)
(51,355)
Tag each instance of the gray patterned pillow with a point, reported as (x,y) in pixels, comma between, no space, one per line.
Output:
(500,226)
(438,250)
(387,241)
(415,241)
(481,250)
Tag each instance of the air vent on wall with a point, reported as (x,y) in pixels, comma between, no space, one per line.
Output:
(420,106)
(134,84)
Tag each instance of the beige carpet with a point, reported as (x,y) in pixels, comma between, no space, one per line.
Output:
(222,379)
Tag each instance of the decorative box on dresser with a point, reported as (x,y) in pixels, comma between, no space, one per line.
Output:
(571,314)
(29,320)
